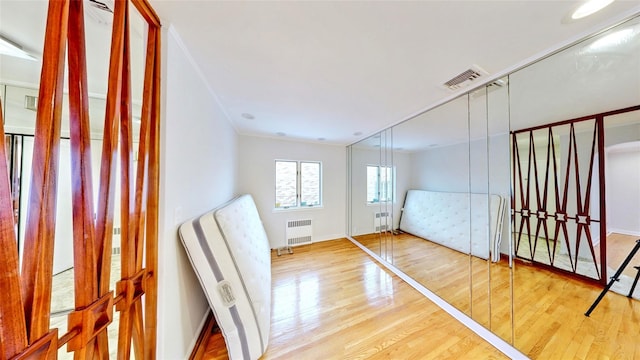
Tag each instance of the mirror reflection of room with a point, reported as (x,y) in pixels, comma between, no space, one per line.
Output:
(523,213)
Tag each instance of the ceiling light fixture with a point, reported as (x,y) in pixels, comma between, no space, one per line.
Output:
(10,48)
(589,8)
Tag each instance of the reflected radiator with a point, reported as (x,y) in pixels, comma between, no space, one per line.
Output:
(382,221)
(298,232)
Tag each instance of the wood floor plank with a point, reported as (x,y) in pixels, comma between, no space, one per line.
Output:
(331,300)
(550,318)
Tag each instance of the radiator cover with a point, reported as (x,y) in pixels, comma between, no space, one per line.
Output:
(299,232)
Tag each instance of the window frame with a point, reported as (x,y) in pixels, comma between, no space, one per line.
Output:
(298,205)
(391,187)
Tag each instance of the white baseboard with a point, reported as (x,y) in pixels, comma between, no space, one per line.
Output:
(320,239)
(329,237)
(623,232)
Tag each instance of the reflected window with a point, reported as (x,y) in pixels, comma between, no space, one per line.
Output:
(379,184)
(298,184)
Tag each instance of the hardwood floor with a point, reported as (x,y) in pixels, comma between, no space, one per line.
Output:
(618,248)
(549,321)
(332,301)
(459,279)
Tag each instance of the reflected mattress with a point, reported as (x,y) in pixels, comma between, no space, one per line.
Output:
(469,223)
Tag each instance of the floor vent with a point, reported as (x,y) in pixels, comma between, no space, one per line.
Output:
(299,232)
(465,78)
(382,221)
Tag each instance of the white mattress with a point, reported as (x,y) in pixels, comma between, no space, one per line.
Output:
(230,254)
(469,223)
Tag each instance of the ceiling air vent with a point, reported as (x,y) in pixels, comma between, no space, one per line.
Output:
(100,11)
(31,102)
(465,78)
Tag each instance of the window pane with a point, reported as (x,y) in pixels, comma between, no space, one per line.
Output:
(310,184)
(372,184)
(386,184)
(286,183)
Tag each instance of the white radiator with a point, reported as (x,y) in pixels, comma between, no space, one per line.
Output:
(382,221)
(298,232)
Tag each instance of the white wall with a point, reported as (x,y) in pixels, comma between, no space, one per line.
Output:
(443,168)
(623,189)
(63,249)
(198,172)
(448,168)
(623,177)
(257,177)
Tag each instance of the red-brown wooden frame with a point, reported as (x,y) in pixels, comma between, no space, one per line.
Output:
(539,210)
(25,296)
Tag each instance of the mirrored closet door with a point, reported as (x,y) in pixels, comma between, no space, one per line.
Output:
(514,202)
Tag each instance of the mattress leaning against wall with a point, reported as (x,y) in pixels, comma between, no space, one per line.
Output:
(469,223)
(229,251)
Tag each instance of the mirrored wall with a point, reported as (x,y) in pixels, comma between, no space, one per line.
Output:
(515,198)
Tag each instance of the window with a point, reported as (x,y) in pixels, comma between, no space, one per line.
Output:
(298,184)
(379,184)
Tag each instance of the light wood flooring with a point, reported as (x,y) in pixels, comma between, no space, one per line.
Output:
(618,248)
(548,307)
(332,301)
(461,280)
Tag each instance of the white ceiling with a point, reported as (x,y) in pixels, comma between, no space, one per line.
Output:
(23,22)
(329,69)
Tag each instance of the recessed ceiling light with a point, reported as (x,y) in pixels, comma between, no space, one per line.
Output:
(281,134)
(10,48)
(357,133)
(321,139)
(589,8)
(248,116)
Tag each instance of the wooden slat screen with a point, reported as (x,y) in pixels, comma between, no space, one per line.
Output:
(25,294)
(552,189)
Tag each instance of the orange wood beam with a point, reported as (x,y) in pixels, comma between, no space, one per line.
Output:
(151,251)
(106,195)
(85,271)
(127,257)
(13,332)
(147,12)
(39,237)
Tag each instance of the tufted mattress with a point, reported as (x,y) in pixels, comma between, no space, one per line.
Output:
(460,221)
(230,254)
